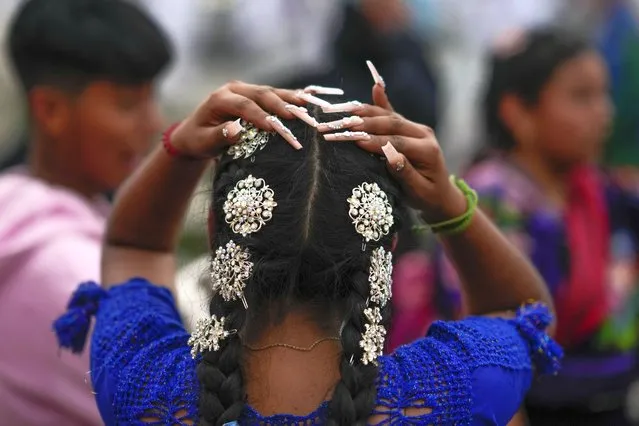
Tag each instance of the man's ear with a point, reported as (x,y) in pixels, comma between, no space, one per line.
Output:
(50,109)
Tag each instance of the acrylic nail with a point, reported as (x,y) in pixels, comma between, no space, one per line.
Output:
(376,75)
(302,114)
(232,130)
(351,106)
(306,97)
(284,131)
(347,136)
(321,90)
(391,154)
(344,123)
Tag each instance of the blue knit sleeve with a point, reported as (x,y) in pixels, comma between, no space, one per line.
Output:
(479,368)
(141,368)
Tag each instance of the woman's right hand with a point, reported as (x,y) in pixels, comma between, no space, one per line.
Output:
(208,130)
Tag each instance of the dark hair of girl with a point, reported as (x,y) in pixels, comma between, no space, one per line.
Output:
(524,72)
(307,257)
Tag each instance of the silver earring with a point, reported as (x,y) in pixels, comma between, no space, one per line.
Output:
(251,140)
(370,211)
(249,206)
(208,334)
(230,270)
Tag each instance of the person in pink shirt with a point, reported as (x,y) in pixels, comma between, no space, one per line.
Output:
(87,68)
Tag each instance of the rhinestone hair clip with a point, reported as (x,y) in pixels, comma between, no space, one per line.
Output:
(230,270)
(208,334)
(370,211)
(374,335)
(380,276)
(380,279)
(251,140)
(249,206)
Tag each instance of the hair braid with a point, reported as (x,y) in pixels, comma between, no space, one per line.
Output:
(355,394)
(222,394)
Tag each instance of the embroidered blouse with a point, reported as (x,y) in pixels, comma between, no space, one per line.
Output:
(600,366)
(470,372)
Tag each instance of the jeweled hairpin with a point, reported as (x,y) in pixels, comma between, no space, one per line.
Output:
(380,276)
(251,140)
(370,211)
(249,205)
(374,335)
(230,270)
(208,334)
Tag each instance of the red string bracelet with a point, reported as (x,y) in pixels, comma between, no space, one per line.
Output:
(168,146)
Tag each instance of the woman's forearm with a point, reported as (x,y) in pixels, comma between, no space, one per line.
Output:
(149,209)
(495,275)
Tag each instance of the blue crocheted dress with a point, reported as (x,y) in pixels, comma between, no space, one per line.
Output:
(470,372)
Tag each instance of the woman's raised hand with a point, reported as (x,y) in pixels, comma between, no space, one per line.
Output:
(208,131)
(414,157)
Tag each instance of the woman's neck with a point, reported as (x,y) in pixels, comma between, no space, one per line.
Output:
(284,380)
(552,181)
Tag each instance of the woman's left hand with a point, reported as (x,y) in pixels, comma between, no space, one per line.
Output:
(414,158)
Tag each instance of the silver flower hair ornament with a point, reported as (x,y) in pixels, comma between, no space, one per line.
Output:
(373,338)
(230,270)
(370,211)
(251,140)
(249,205)
(381,276)
(208,334)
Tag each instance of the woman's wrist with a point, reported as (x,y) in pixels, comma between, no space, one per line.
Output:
(453,204)
(177,142)
(169,145)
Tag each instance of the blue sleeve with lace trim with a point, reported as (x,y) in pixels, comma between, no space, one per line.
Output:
(141,368)
(471,372)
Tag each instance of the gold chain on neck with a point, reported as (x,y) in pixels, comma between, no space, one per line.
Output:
(293,347)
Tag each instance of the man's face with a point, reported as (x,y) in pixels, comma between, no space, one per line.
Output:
(111,128)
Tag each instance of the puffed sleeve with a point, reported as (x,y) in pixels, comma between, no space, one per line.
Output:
(479,368)
(141,368)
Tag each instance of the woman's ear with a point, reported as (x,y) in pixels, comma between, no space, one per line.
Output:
(517,117)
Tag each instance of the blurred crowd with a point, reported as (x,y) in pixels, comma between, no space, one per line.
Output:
(533,101)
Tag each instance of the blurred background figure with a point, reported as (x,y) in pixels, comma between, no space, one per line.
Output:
(613,27)
(380,31)
(329,42)
(547,113)
(87,70)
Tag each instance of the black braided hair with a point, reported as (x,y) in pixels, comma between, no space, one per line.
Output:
(308,254)
(524,72)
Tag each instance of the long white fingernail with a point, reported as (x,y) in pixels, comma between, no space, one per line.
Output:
(344,123)
(376,75)
(306,97)
(284,131)
(321,90)
(351,106)
(347,136)
(302,114)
